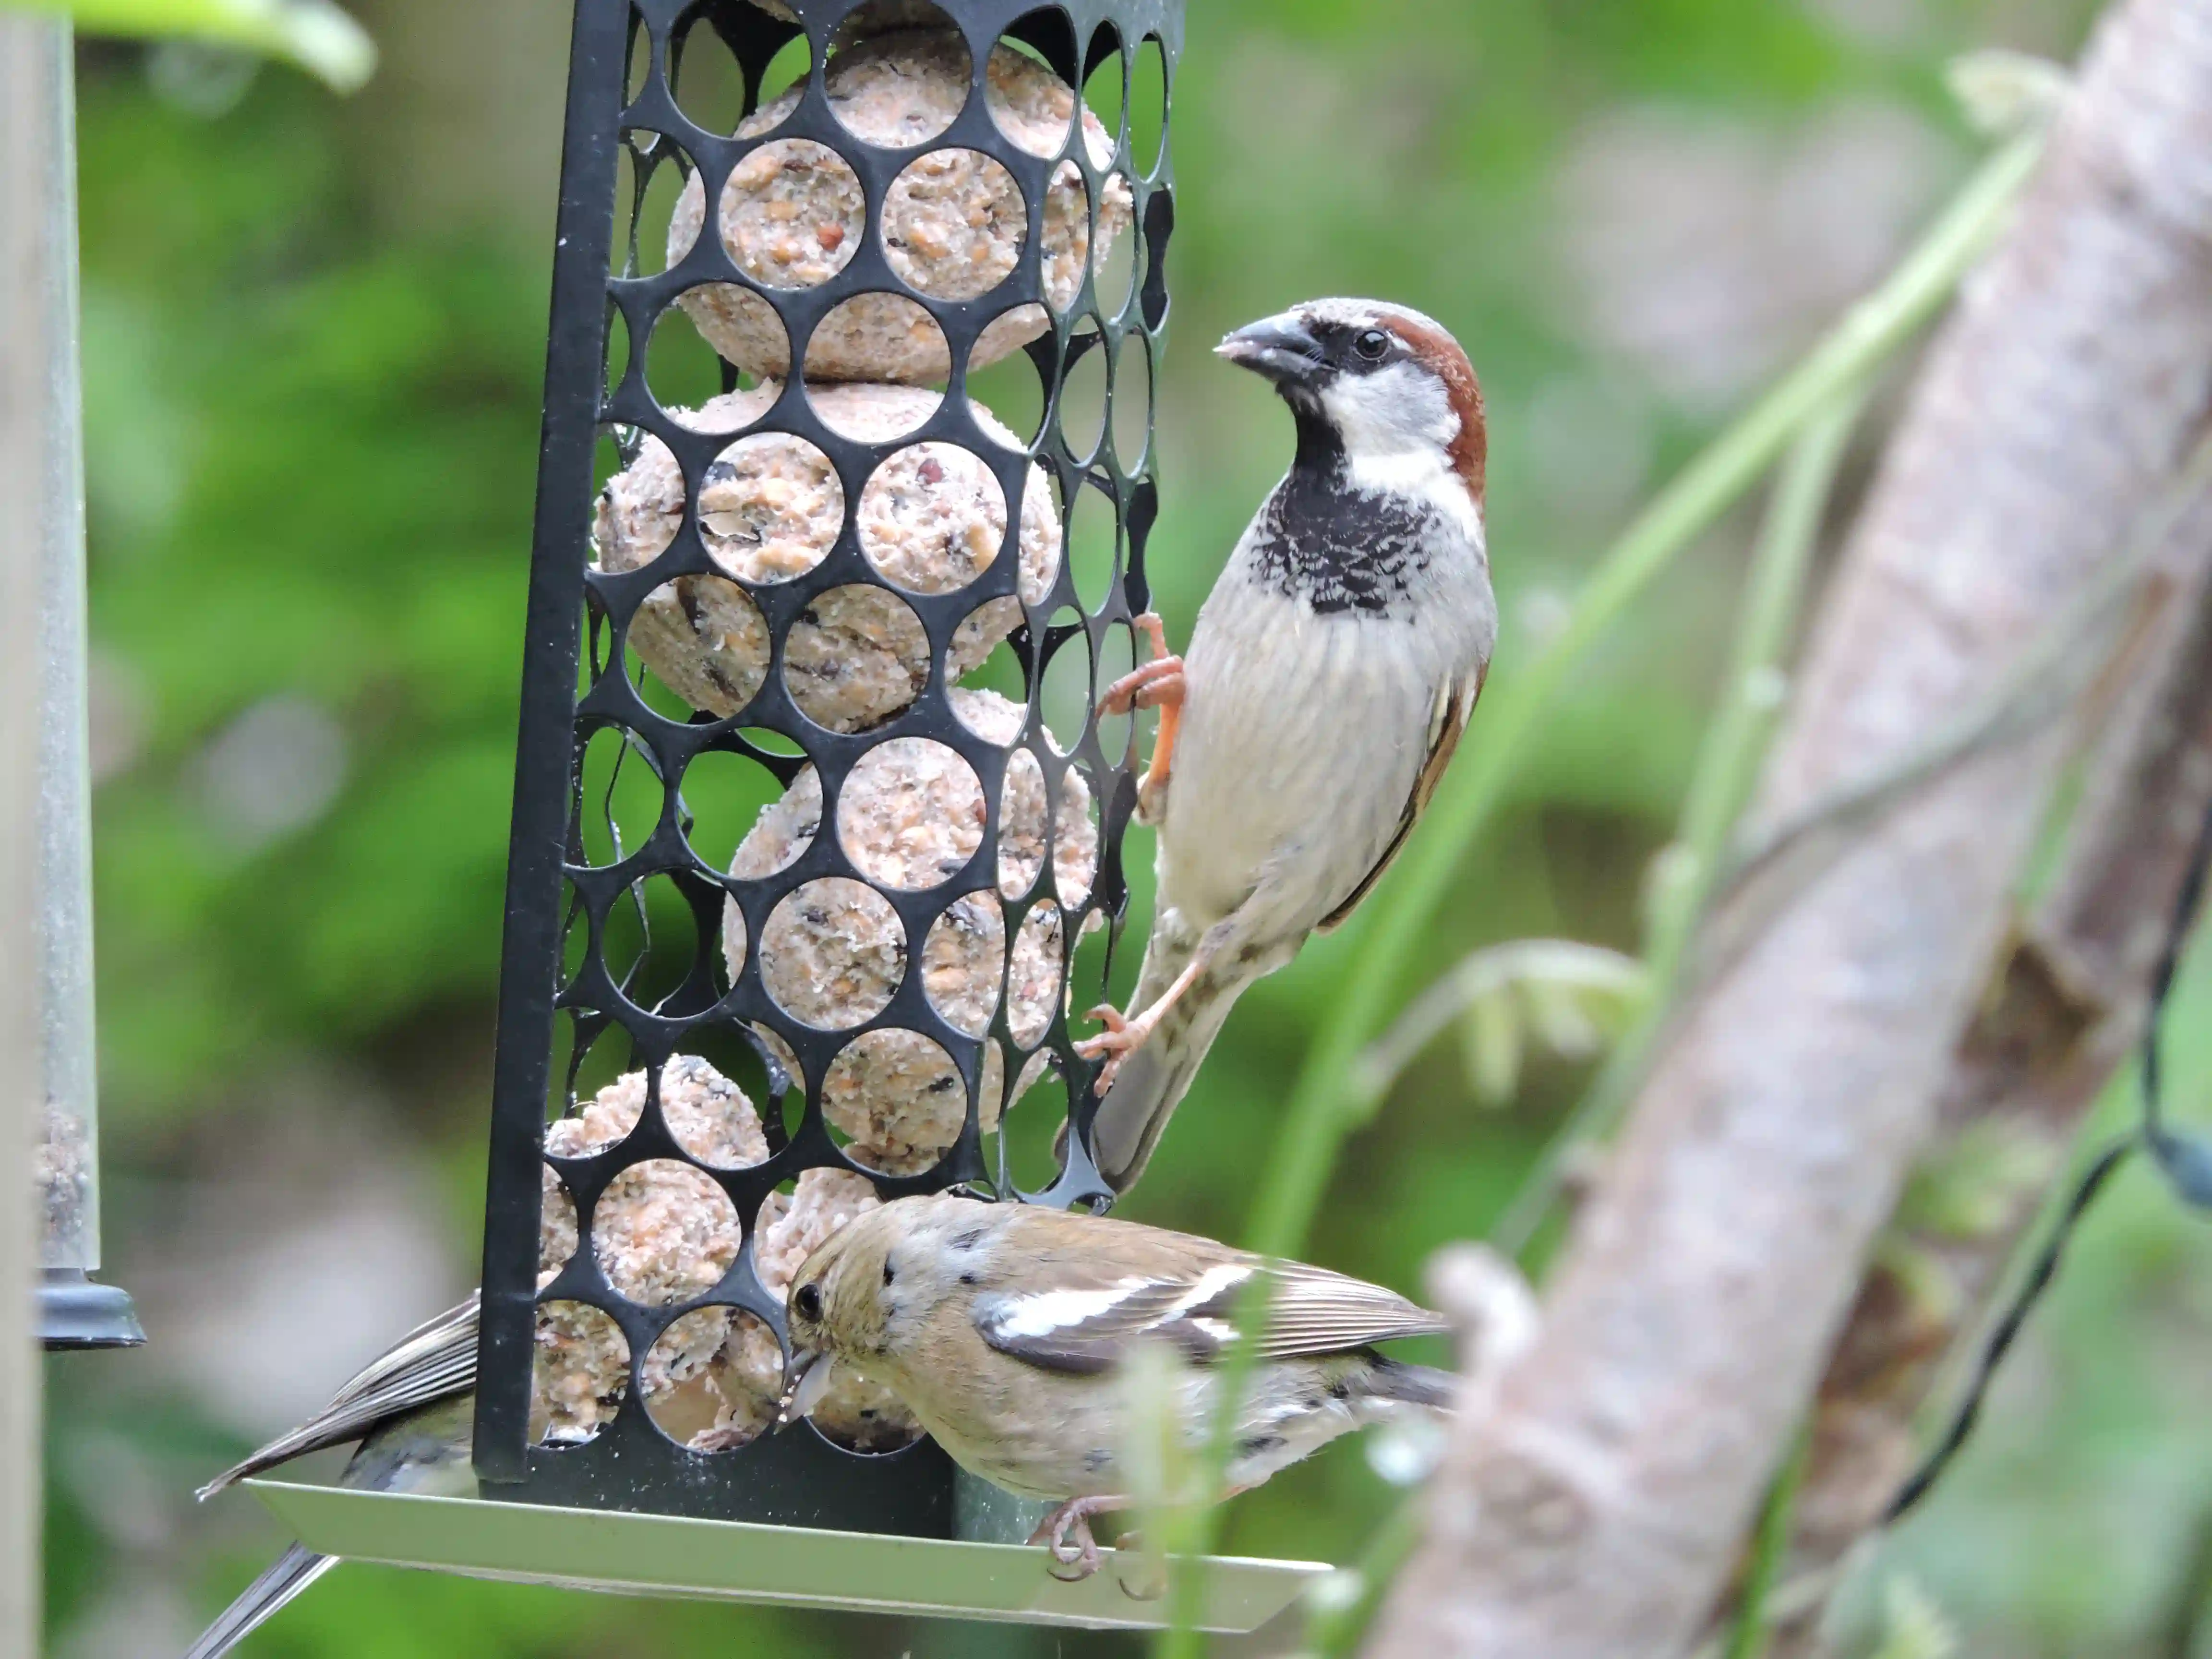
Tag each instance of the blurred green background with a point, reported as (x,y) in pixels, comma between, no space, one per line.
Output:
(314,338)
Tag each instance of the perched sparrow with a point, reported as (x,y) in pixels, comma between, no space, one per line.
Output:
(1326,683)
(413,1409)
(1001,1326)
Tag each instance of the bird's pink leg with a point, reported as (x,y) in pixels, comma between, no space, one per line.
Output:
(1123,1036)
(1066,1532)
(1157,684)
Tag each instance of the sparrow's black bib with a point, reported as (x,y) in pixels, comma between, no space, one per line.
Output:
(1339,547)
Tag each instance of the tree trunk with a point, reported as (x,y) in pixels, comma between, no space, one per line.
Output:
(2063,1010)
(1598,1510)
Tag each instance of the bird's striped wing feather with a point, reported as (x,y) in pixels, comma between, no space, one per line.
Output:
(434,1361)
(1455,705)
(1092,1329)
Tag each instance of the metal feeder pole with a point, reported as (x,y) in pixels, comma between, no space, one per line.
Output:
(72,1311)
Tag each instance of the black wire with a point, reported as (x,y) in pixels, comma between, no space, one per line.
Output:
(2185,1162)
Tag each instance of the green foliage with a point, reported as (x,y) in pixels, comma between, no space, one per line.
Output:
(312,33)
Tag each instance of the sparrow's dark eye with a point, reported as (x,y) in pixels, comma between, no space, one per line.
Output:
(1372,344)
(807,1301)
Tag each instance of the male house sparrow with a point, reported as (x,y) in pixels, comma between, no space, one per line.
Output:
(413,1409)
(1327,681)
(1002,1325)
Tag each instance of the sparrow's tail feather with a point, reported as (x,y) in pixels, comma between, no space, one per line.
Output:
(1153,1079)
(290,1573)
(1394,1381)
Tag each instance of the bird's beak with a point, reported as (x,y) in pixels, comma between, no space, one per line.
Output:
(1281,348)
(805,1382)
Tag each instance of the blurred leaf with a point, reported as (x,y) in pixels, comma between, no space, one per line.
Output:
(1914,1627)
(312,33)
(1489,1042)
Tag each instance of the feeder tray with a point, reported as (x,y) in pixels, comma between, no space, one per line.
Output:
(738,1561)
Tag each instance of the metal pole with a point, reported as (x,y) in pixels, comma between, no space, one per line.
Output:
(73,1312)
(28,48)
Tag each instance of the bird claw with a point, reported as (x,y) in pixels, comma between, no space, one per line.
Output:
(1159,684)
(1066,1535)
(1155,685)
(1121,1038)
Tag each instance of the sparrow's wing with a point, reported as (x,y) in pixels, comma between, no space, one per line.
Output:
(1447,720)
(435,1360)
(1089,1327)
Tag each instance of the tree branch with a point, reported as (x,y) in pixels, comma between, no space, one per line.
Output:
(2064,1009)
(1598,1510)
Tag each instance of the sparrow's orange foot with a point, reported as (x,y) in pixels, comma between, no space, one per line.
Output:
(1157,684)
(1122,1037)
(1066,1533)
(1160,684)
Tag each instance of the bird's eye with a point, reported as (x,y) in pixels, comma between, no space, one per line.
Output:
(1372,344)
(808,1302)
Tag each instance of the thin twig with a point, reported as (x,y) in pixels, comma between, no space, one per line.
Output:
(1721,784)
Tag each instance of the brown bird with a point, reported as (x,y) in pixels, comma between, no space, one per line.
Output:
(1003,1326)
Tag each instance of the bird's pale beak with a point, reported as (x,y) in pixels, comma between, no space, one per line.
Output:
(805,1380)
(1281,348)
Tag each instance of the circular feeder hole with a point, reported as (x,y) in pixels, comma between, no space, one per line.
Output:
(1022,1154)
(1091,535)
(963,962)
(933,518)
(1021,826)
(770,507)
(832,953)
(1081,413)
(856,656)
(1010,391)
(1120,271)
(1067,247)
(557,1222)
(1148,106)
(1076,837)
(654,174)
(683,372)
(1102,88)
(876,336)
(953,224)
(711,1379)
(722,794)
(579,1374)
(622,797)
(992,697)
(650,944)
(709,85)
(1039,960)
(1067,681)
(910,814)
(1117,657)
(895,1102)
(1031,102)
(1132,403)
(788,70)
(902,90)
(663,1232)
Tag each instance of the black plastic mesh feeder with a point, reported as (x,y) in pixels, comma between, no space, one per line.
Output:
(821,558)
(812,817)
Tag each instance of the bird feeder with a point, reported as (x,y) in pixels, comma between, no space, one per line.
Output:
(843,493)
(72,1311)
